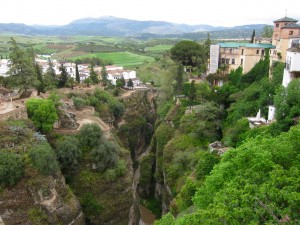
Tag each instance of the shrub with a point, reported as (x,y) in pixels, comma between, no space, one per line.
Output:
(79,102)
(43,158)
(11,168)
(105,155)
(68,153)
(89,136)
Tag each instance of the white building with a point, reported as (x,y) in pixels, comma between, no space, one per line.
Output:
(4,67)
(214,58)
(292,69)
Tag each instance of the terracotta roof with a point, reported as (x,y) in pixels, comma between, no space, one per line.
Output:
(291,25)
(285,19)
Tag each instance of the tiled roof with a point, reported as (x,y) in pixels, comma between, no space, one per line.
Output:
(291,25)
(286,19)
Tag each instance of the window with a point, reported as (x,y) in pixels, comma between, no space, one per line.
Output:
(262,52)
(242,51)
(291,32)
(242,61)
(257,52)
(277,24)
(226,61)
(233,61)
(230,50)
(222,60)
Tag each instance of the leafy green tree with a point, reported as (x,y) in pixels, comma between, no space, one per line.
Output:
(89,136)
(104,155)
(93,75)
(50,79)
(130,84)
(44,159)
(87,81)
(122,79)
(11,168)
(63,78)
(22,72)
(188,53)
(267,31)
(288,104)
(77,74)
(117,109)
(68,153)
(42,112)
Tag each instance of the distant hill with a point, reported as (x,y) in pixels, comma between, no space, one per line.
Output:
(112,26)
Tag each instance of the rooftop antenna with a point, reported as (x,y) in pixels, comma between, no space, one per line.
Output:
(286,13)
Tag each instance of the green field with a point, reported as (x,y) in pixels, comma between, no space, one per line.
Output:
(159,48)
(119,58)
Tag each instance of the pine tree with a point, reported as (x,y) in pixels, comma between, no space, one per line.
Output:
(178,83)
(104,76)
(22,72)
(63,76)
(77,74)
(50,80)
(253,37)
(130,84)
(192,92)
(40,86)
(93,75)
(207,45)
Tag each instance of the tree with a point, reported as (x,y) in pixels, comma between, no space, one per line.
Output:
(178,83)
(21,68)
(207,45)
(253,37)
(11,168)
(63,78)
(267,31)
(50,80)
(188,53)
(42,112)
(192,92)
(40,85)
(68,153)
(77,73)
(44,159)
(104,155)
(93,75)
(130,84)
(104,76)
(89,136)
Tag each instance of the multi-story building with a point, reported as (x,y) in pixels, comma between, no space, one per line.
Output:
(234,55)
(284,29)
(292,69)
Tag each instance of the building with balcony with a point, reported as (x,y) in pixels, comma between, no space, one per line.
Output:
(292,68)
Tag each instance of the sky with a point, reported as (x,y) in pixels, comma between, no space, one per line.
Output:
(212,12)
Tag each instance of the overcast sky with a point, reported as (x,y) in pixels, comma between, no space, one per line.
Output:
(212,12)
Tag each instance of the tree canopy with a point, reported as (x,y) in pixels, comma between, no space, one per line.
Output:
(188,53)
(42,112)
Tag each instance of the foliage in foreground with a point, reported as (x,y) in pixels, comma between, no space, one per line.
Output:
(257,183)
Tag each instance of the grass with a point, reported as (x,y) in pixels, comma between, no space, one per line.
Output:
(159,48)
(119,58)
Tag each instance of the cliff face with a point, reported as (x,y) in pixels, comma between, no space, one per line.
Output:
(38,199)
(35,198)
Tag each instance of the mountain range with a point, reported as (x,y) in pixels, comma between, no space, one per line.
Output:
(113,26)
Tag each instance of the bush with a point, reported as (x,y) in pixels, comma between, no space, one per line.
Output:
(90,205)
(89,136)
(105,155)
(11,168)
(43,158)
(79,102)
(68,153)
